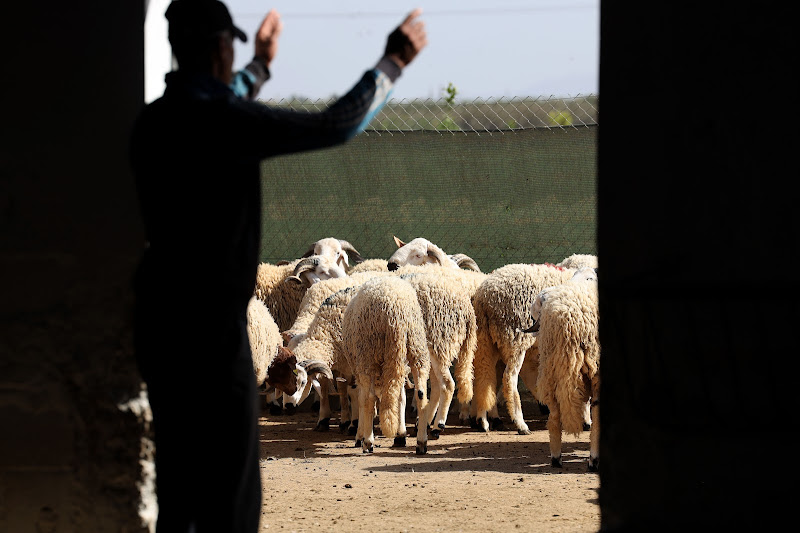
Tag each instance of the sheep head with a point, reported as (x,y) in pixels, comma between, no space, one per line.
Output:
(536,312)
(585,274)
(306,372)
(417,252)
(316,268)
(282,373)
(335,249)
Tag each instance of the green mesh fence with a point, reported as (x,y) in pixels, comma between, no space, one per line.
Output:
(522,195)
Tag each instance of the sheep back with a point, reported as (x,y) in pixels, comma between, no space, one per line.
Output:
(384,336)
(569,350)
(264,337)
(282,298)
(577,261)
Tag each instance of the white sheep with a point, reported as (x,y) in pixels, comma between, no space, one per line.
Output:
(451,334)
(502,303)
(272,364)
(577,261)
(336,249)
(569,362)
(420,251)
(282,286)
(383,333)
(322,340)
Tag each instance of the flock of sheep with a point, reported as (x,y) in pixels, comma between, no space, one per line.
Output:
(372,330)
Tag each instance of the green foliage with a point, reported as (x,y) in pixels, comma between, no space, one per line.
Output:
(451,91)
(560,118)
(447,123)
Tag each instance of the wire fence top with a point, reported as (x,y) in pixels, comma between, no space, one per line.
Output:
(478,115)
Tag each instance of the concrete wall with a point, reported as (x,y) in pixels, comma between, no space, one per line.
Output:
(69,240)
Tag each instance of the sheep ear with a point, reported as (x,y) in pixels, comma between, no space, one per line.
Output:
(349,248)
(398,242)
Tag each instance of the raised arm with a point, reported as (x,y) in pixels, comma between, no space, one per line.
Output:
(273,130)
(248,81)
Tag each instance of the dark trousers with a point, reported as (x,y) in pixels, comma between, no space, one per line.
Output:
(202,393)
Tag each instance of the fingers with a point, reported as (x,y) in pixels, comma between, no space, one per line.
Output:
(266,41)
(271,26)
(411,16)
(406,41)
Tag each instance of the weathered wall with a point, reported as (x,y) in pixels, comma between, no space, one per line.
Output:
(69,240)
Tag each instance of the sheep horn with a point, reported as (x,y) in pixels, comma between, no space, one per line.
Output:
(464,261)
(313,366)
(350,249)
(533,329)
(436,253)
(398,242)
(309,263)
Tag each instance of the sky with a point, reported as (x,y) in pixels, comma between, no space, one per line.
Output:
(513,48)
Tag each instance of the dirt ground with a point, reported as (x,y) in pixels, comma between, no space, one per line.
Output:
(469,481)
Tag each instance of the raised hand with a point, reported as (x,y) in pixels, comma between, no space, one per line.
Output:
(406,41)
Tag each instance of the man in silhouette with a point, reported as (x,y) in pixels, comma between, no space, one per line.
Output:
(195,153)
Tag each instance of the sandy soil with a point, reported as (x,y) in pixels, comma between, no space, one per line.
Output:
(468,481)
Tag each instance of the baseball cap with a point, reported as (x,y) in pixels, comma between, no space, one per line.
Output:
(193,19)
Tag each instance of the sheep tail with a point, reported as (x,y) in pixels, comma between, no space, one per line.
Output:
(465,367)
(393,387)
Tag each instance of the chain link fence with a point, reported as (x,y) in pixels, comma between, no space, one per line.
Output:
(502,181)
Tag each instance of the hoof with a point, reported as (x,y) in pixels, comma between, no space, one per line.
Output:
(587,426)
(435,434)
(290,409)
(422,449)
(343,426)
(367,450)
(323,425)
(399,442)
(543,409)
(524,431)
(357,444)
(315,406)
(473,423)
(555,462)
(594,464)
(275,410)
(483,425)
(497,424)
(440,426)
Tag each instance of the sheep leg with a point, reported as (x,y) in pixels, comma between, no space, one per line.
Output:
(446,387)
(324,420)
(422,405)
(366,402)
(530,373)
(594,432)
(510,391)
(274,405)
(400,438)
(433,404)
(352,393)
(587,416)
(554,429)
